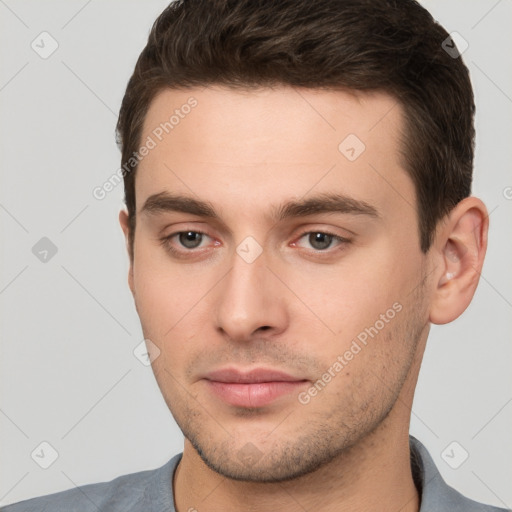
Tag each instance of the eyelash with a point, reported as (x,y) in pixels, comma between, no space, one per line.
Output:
(166,242)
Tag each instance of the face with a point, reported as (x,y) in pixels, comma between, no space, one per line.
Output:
(277,230)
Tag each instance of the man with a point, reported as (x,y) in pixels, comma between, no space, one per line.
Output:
(297,181)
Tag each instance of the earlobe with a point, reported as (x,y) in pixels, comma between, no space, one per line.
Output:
(462,243)
(125,226)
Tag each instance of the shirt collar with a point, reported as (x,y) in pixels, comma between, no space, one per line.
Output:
(434,493)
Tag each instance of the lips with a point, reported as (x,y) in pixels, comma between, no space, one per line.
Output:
(255,388)
(254,376)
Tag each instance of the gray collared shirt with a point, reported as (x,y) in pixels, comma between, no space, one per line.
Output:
(151,491)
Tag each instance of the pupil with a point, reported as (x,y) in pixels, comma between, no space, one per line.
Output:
(190,239)
(320,240)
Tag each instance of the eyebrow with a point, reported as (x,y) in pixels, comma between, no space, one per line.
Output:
(322,203)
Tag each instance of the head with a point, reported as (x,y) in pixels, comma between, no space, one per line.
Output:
(297,179)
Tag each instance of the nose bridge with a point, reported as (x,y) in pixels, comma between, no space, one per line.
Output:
(247,299)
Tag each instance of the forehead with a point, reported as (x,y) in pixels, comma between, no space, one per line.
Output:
(264,145)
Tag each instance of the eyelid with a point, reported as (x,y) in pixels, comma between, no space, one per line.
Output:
(325,231)
(320,227)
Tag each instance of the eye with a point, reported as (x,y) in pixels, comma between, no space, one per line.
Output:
(320,240)
(190,239)
(182,242)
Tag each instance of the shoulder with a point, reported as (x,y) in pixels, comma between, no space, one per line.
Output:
(456,502)
(133,492)
(436,494)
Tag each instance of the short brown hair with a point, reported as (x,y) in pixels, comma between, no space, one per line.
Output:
(394,46)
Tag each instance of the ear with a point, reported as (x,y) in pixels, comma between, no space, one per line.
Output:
(125,226)
(459,250)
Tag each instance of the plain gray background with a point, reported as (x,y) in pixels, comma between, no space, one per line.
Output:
(68,373)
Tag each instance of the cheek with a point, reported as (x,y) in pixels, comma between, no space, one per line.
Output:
(171,299)
(349,296)
(159,294)
(162,303)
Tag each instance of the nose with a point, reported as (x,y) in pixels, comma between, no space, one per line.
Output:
(249,302)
